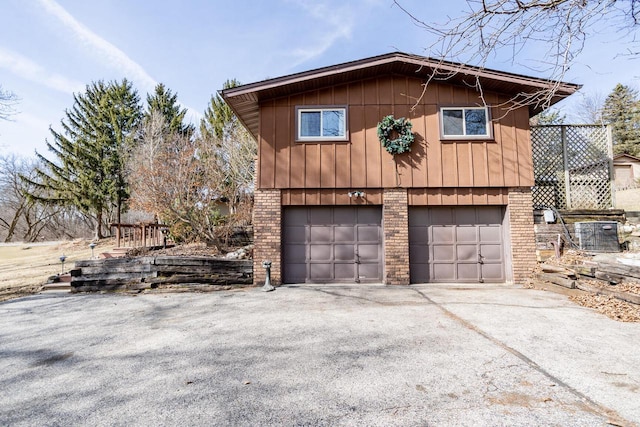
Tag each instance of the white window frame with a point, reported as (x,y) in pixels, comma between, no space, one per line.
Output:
(488,124)
(321,109)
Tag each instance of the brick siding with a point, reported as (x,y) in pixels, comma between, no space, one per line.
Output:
(523,246)
(267,229)
(396,237)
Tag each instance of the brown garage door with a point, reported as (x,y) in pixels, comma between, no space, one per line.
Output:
(332,244)
(456,244)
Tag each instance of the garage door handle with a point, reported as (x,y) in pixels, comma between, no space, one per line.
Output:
(357,257)
(480,259)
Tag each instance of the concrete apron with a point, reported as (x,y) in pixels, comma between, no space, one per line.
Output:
(590,355)
(317,355)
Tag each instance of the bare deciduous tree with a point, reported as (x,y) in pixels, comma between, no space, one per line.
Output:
(183,180)
(560,27)
(23,217)
(589,109)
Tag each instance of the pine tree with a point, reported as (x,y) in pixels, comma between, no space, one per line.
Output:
(166,103)
(235,150)
(548,117)
(218,115)
(89,170)
(622,111)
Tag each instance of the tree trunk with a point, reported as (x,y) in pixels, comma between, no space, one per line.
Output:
(98,230)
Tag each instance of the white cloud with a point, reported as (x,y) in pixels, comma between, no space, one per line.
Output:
(108,53)
(337,23)
(27,69)
(111,54)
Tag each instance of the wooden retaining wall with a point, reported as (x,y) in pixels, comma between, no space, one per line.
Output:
(152,272)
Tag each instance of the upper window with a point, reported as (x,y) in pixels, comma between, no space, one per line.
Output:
(467,122)
(321,124)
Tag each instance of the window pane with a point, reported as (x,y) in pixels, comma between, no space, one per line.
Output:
(333,123)
(476,121)
(452,122)
(310,123)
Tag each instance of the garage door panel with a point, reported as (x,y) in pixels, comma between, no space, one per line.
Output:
(295,216)
(297,272)
(419,273)
(420,234)
(443,253)
(490,215)
(491,234)
(368,233)
(344,253)
(320,252)
(296,254)
(492,273)
(297,234)
(321,234)
(369,216)
(344,215)
(321,216)
(466,253)
(465,216)
(466,234)
(442,235)
(344,271)
(368,272)
(467,272)
(491,253)
(368,252)
(419,253)
(417,219)
(344,234)
(441,216)
(442,272)
(320,271)
(449,244)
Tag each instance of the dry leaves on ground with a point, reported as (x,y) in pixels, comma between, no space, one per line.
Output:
(609,306)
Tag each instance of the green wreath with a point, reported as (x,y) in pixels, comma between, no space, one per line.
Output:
(389,126)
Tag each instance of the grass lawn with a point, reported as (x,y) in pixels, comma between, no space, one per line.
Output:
(25,267)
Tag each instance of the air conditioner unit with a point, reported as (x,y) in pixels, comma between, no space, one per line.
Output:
(597,236)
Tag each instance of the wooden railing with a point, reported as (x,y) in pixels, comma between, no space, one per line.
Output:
(140,235)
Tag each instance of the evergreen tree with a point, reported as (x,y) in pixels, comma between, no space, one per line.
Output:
(218,115)
(622,111)
(166,103)
(235,150)
(548,117)
(89,170)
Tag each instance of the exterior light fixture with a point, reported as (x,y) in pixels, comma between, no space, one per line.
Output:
(92,245)
(356,194)
(62,258)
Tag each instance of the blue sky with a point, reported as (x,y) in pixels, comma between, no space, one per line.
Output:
(51,49)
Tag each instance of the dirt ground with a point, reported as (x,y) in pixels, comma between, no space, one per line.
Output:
(25,267)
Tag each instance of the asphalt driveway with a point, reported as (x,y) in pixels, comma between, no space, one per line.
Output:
(317,355)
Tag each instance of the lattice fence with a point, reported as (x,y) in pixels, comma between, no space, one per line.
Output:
(573,167)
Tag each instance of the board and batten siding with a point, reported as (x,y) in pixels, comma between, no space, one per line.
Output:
(477,171)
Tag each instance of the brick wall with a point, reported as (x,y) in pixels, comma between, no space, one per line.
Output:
(523,246)
(267,231)
(396,237)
